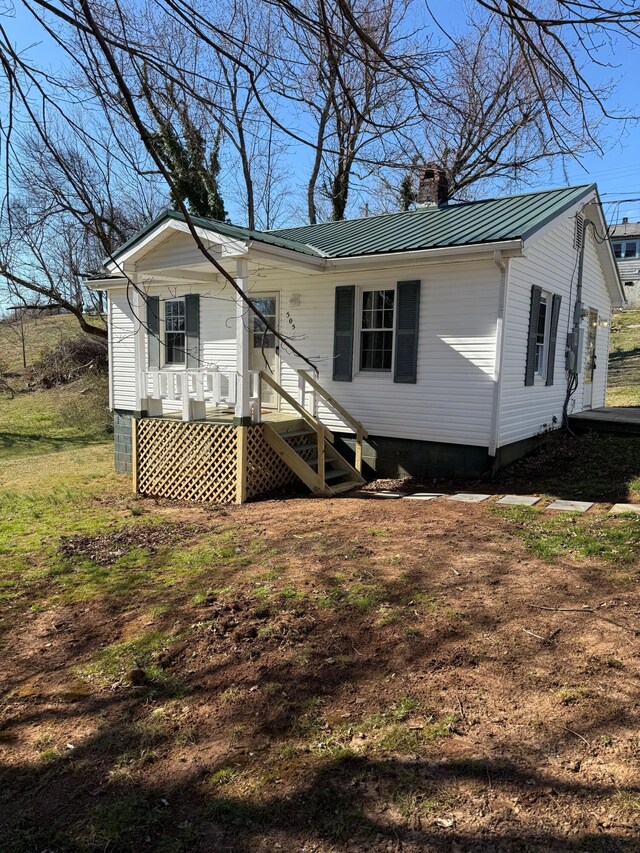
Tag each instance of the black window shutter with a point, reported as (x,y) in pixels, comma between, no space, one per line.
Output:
(192,327)
(153,331)
(530,370)
(407,325)
(343,333)
(553,336)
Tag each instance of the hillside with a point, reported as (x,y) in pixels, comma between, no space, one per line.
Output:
(624,360)
(40,334)
(53,419)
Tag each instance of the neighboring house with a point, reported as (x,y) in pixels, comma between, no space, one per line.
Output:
(625,239)
(31,312)
(440,338)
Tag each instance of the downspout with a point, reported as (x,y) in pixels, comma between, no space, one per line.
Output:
(573,338)
(494,437)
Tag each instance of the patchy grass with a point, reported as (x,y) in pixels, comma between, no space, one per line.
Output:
(624,360)
(305,674)
(616,540)
(119,659)
(587,467)
(62,418)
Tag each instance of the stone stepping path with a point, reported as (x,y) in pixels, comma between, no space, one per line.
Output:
(559,505)
(620,509)
(468,498)
(424,496)
(518,500)
(570,506)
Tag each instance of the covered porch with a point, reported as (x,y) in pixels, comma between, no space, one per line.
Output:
(213,421)
(191,444)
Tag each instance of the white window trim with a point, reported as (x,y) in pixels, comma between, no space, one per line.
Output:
(163,340)
(358,371)
(541,373)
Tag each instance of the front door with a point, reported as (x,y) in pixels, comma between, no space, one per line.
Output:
(590,362)
(264,346)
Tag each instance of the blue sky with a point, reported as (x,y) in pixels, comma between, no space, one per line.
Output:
(617,172)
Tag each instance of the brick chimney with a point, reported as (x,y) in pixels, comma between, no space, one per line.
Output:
(433,189)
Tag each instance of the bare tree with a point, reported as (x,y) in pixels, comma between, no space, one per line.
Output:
(555,45)
(354,101)
(69,208)
(494,126)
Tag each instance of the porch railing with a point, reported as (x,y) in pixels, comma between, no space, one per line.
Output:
(192,390)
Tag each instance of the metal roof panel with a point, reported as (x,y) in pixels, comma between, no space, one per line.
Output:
(489,220)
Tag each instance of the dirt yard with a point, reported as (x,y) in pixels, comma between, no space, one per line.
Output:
(323,675)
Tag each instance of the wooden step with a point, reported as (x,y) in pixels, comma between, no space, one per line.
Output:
(337,472)
(297,433)
(339,488)
(303,446)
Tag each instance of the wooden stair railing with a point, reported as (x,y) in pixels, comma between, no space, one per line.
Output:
(341,412)
(318,464)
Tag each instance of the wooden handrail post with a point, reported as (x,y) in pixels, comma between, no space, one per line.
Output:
(241,465)
(321,459)
(134,454)
(358,465)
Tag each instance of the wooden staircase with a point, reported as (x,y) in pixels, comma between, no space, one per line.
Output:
(309,451)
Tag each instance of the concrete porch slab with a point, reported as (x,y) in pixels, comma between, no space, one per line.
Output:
(468,498)
(518,500)
(570,506)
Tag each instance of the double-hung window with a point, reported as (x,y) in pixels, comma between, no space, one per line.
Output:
(175,331)
(542,335)
(376,330)
(625,249)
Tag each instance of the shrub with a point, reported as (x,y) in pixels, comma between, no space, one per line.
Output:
(69,360)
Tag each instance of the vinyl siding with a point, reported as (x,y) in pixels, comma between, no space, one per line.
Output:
(551,263)
(123,366)
(630,271)
(172,249)
(452,399)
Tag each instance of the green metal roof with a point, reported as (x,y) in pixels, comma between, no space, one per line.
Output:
(467,223)
(486,221)
(226,229)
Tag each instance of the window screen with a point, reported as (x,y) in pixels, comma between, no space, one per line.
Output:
(376,335)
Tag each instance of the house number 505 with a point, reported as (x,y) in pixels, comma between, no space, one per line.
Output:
(290,321)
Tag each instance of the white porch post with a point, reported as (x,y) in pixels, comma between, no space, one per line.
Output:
(140,319)
(243,322)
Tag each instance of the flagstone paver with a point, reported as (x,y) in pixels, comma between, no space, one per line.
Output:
(424,496)
(518,500)
(468,498)
(570,506)
(620,509)
(382,495)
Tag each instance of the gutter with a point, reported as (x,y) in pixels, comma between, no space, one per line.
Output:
(494,436)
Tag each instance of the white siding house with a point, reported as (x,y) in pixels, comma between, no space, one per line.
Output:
(625,239)
(450,334)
